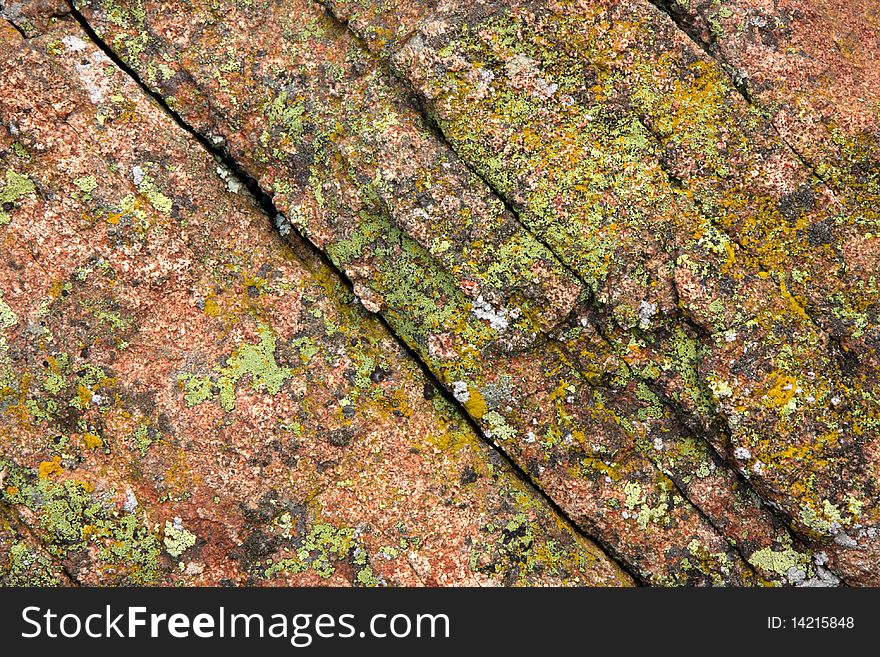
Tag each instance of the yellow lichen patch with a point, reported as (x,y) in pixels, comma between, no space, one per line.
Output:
(476,404)
(562,391)
(598,465)
(50,468)
(400,403)
(796,305)
(783,390)
(91,441)
(114,217)
(212,308)
(56,289)
(449,440)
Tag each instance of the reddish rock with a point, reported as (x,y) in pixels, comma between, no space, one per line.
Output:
(645,278)
(187,399)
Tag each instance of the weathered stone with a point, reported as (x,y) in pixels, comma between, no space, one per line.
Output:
(812,69)
(24,560)
(644,281)
(371,161)
(186,399)
(619,141)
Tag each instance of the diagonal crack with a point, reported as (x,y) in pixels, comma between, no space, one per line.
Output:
(738,82)
(675,183)
(436,129)
(302,243)
(15,27)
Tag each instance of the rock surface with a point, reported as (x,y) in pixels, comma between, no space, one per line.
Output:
(633,269)
(186,399)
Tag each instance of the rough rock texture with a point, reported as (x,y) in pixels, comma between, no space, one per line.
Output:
(187,400)
(354,168)
(629,278)
(765,268)
(814,70)
(24,559)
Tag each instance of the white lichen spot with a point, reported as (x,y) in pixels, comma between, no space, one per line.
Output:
(460,391)
(73,43)
(485,75)
(742,453)
(524,73)
(131,502)
(647,310)
(233,184)
(283,225)
(844,540)
(823,578)
(796,576)
(89,69)
(482,309)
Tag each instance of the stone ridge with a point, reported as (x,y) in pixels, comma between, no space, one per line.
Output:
(354,170)
(185,399)
(357,172)
(766,263)
(637,257)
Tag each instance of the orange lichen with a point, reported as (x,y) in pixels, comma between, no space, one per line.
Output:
(50,468)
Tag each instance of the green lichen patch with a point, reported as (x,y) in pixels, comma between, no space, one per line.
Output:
(322,550)
(177,539)
(72,519)
(16,187)
(28,566)
(256,362)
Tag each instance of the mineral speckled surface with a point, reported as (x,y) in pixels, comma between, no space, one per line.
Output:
(401,292)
